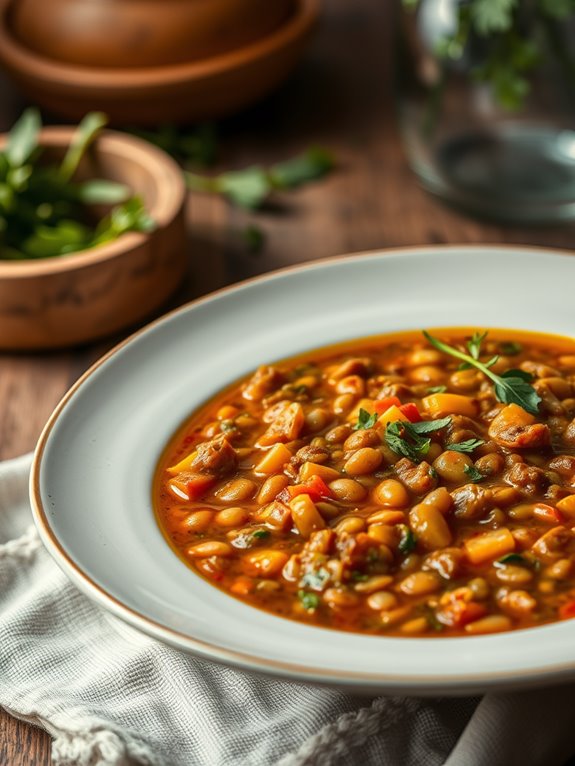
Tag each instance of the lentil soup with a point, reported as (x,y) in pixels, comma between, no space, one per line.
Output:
(403,485)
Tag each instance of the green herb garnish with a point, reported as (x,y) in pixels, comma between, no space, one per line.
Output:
(309,601)
(466,446)
(513,558)
(437,390)
(254,238)
(510,348)
(196,147)
(43,211)
(473,473)
(261,534)
(406,438)
(511,387)
(315,580)
(364,420)
(408,540)
(251,187)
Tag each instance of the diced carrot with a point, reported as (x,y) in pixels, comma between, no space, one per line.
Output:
(567,506)
(547,513)
(391,415)
(191,487)
(274,460)
(490,545)
(310,469)
(450,404)
(183,465)
(382,405)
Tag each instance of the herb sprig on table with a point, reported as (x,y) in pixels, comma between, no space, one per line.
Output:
(511,387)
(44,212)
(252,187)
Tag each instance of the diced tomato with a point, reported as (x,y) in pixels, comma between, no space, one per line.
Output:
(411,412)
(547,513)
(315,487)
(459,613)
(382,405)
(567,611)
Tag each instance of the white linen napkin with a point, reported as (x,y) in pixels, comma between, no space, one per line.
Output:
(110,696)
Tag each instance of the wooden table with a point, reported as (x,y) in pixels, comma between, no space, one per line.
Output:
(340,97)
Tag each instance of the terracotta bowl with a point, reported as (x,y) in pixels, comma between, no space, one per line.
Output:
(70,299)
(137,33)
(181,92)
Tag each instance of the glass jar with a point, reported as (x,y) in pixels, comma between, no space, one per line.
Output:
(498,144)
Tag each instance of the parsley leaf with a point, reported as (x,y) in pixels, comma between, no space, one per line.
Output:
(315,580)
(510,388)
(364,420)
(513,558)
(473,473)
(405,438)
(474,345)
(510,348)
(254,238)
(309,601)
(261,534)
(251,187)
(408,540)
(492,15)
(429,426)
(437,390)
(466,446)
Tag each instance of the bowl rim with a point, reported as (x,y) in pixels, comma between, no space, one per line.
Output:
(165,173)
(117,79)
(536,676)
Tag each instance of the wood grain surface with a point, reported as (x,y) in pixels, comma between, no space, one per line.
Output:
(340,97)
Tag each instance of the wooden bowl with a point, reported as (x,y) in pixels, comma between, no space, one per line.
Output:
(182,92)
(70,299)
(138,33)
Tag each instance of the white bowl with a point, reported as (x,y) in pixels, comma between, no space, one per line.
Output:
(92,475)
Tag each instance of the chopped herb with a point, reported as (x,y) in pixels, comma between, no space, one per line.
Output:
(510,388)
(364,420)
(254,238)
(433,473)
(195,147)
(512,558)
(437,390)
(315,580)
(474,345)
(429,426)
(514,373)
(510,348)
(358,576)
(309,601)
(473,473)
(227,425)
(261,534)
(408,541)
(44,211)
(251,187)
(466,446)
(405,438)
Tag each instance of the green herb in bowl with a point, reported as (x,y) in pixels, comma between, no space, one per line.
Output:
(45,211)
